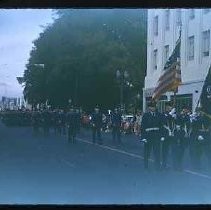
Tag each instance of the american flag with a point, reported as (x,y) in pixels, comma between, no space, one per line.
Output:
(171,78)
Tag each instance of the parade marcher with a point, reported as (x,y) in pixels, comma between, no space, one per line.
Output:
(54,120)
(97,123)
(108,122)
(151,136)
(35,121)
(200,139)
(46,121)
(181,138)
(104,125)
(63,121)
(116,121)
(78,120)
(71,120)
(167,133)
(58,122)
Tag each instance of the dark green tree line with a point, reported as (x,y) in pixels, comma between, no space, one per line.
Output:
(81,52)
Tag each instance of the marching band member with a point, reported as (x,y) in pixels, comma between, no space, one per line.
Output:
(200,138)
(151,127)
(168,133)
(181,138)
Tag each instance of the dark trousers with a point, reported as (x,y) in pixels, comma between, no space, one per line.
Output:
(165,147)
(96,130)
(59,129)
(46,130)
(153,143)
(78,129)
(178,152)
(71,134)
(116,133)
(35,130)
(55,129)
(63,130)
(198,149)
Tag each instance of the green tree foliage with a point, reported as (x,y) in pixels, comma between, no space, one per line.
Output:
(81,52)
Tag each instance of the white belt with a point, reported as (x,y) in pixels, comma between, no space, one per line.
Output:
(152,129)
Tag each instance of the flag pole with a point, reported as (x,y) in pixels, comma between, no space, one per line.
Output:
(174,98)
(176,90)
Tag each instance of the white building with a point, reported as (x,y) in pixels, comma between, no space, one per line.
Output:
(162,34)
(12,103)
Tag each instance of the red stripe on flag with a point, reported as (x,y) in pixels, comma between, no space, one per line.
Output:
(171,82)
(173,66)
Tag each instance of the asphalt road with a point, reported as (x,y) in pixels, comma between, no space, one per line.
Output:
(39,170)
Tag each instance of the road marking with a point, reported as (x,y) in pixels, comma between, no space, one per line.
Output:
(198,174)
(116,150)
(140,157)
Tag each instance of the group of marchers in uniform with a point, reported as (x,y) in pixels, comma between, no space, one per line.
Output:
(170,135)
(173,134)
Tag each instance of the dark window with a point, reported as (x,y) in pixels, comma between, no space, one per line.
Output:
(155,57)
(167,20)
(192,14)
(191,48)
(205,43)
(156,25)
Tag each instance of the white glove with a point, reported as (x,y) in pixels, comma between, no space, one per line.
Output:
(144,140)
(200,138)
(174,116)
(172,111)
(178,127)
(162,139)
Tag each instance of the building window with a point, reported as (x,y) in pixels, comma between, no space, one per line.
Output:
(191,48)
(179,17)
(166,53)
(206,11)
(192,14)
(167,19)
(156,25)
(205,43)
(155,57)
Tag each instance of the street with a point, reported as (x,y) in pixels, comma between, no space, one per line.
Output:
(39,170)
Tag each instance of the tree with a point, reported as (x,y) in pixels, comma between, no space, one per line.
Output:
(81,51)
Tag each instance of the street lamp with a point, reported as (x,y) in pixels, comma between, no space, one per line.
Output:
(122,77)
(69,102)
(138,98)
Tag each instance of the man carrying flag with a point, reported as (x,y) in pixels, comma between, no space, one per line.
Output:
(201,126)
(169,81)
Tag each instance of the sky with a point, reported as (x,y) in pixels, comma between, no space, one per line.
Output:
(18,29)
